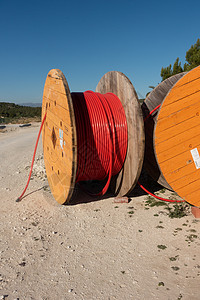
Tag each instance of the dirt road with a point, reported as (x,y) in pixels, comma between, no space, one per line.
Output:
(91,250)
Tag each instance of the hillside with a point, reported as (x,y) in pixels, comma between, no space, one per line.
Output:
(11,113)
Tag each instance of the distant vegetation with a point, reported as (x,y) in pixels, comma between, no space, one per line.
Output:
(192,58)
(11,113)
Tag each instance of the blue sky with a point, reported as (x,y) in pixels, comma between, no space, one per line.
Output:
(86,39)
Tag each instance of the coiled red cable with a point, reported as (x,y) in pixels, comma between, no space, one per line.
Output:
(102,136)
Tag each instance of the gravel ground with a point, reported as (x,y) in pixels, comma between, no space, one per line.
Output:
(94,249)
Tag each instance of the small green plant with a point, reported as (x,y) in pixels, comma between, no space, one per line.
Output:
(174,258)
(162,247)
(195,221)
(175,268)
(153,202)
(192,230)
(162,191)
(159,226)
(178,229)
(178,210)
(131,212)
(46,188)
(191,237)
(161,283)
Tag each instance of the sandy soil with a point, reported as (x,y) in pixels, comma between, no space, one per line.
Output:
(95,249)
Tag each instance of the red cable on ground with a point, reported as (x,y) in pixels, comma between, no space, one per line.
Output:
(20,198)
(102,136)
(141,186)
(157,197)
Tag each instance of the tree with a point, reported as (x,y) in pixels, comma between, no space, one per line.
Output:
(193,56)
(193,60)
(166,72)
(177,67)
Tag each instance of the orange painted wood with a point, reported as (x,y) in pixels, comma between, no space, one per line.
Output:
(59,137)
(177,132)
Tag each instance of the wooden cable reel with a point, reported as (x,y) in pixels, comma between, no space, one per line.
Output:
(60,136)
(154,99)
(177,137)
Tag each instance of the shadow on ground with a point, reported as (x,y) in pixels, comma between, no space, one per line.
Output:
(83,191)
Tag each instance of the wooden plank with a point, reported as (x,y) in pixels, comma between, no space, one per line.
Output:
(177,132)
(192,110)
(190,77)
(58,183)
(180,93)
(194,197)
(189,178)
(176,162)
(191,122)
(175,106)
(51,95)
(175,148)
(57,152)
(180,173)
(118,84)
(177,140)
(191,186)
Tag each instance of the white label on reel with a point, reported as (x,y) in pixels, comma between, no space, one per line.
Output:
(196,157)
(61,137)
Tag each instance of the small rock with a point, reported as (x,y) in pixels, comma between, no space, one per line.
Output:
(135,281)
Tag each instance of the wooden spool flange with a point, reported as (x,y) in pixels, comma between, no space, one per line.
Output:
(155,98)
(177,137)
(60,140)
(118,84)
(59,136)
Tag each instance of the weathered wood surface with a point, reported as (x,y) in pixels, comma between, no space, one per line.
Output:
(118,84)
(59,136)
(177,137)
(154,99)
